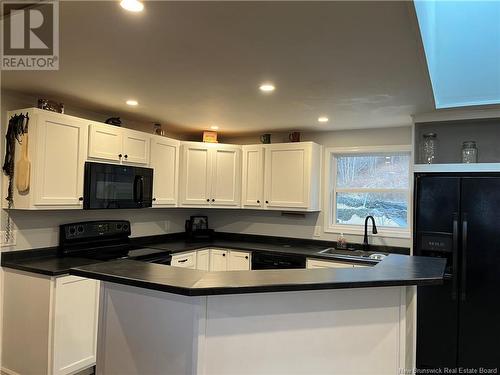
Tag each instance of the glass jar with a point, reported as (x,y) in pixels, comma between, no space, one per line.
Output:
(469,152)
(429,148)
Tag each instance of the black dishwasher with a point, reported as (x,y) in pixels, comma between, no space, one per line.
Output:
(268,261)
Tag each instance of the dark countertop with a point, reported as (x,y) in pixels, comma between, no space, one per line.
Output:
(46,262)
(394,270)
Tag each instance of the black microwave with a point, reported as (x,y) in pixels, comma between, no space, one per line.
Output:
(117,186)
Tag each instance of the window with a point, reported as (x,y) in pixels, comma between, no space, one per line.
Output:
(369,181)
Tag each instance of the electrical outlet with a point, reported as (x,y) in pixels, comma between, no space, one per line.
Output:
(317,231)
(3,240)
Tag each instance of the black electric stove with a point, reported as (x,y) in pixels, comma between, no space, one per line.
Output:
(105,240)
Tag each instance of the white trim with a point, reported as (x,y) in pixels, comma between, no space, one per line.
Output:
(331,190)
(457,167)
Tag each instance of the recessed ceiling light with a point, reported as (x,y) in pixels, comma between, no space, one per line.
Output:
(132,102)
(214,127)
(132,5)
(323,119)
(267,87)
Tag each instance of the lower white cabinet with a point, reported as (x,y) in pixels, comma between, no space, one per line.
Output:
(218,260)
(49,323)
(320,263)
(213,260)
(184,260)
(239,260)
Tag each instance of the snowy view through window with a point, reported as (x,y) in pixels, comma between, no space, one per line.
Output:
(374,185)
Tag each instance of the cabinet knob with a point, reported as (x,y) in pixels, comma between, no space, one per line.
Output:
(126,156)
(120,155)
(80,199)
(258,201)
(213,200)
(223,254)
(246,256)
(267,202)
(208,200)
(154,199)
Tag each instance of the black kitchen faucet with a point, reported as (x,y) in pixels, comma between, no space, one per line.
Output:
(374,231)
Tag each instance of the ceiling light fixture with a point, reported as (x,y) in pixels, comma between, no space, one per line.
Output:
(267,87)
(132,5)
(214,127)
(323,119)
(132,102)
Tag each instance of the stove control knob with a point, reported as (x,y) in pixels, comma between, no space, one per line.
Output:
(72,230)
(125,226)
(80,229)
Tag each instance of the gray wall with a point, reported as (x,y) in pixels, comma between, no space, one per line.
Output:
(39,228)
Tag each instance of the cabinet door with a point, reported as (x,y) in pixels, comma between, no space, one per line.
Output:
(59,162)
(287,175)
(203,260)
(218,260)
(165,161)
(75,324)
(135,147)
(253,176)
(196,175)
(239,260)
(105,142)
(226,176)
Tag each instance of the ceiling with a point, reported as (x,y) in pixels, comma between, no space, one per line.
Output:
(196,64)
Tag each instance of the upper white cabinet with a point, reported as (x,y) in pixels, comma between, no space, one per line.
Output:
(165,162)
(112,143)
(292,176)
(210,175)
(226,176)
(57,148)
(252,193)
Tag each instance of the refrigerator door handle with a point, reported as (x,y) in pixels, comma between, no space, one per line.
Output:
(455,258)
(463,294)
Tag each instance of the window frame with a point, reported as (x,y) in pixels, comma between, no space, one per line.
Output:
(331,154)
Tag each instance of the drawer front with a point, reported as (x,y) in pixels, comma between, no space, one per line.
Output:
(316,263)
(186,260)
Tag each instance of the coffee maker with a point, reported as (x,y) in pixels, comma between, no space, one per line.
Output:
(197,229)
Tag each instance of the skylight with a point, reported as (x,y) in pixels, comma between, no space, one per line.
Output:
(462,47)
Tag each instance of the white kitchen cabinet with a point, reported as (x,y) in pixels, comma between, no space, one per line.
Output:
(239,260)
(105,142)
(252,195)
(292,176)
(203,260)
(210,175)
(116,144)
(165,162)
(57,148)
(218,260)
(50,323)
(186,260)
(226,176)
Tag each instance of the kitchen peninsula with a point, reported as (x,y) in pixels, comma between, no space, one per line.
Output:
(187,321)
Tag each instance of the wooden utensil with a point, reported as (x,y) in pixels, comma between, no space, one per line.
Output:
(23,167)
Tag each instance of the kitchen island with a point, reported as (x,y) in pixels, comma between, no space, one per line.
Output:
(157,319)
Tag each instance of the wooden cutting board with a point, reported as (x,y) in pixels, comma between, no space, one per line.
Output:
(23,166)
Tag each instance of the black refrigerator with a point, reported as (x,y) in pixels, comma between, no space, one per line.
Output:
(457,217)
